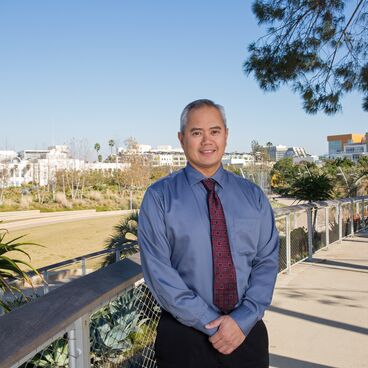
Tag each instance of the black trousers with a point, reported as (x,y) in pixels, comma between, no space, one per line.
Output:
(180,346)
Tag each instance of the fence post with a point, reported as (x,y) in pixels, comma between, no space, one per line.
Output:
(327,226)
(310,233)
(79,344)
(295,220)
(352,217)
(83,266)
(45,276)
(117,255)
(362,215)
(339,207)
(288,242)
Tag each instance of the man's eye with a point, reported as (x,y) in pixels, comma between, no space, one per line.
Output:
(215,132)
(196,134)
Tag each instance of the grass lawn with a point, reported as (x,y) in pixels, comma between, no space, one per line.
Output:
(65,240)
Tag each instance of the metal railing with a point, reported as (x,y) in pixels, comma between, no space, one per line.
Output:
(108,318)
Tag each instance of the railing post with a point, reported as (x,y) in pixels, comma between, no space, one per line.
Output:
(327,227)
(339,210)
(310,233)
(45,276)
(83,266)
(352,217)
(295,220)
(288,242)
(117,255)
(2,311)
(79,344)
(362,215)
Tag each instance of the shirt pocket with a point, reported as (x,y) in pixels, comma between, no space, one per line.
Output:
(246,235)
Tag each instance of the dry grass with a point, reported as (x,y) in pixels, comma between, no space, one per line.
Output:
(66,240)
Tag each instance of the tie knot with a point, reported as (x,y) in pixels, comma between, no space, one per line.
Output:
(209,184)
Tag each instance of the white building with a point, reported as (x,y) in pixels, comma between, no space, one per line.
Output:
(41,166)
(308,158)
(6,156)
(237,159)
(138,149)
(355,150)
(296,152)
(276,153)
(165,155)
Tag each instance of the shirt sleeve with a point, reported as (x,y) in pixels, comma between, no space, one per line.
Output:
(263,275)
(164,281)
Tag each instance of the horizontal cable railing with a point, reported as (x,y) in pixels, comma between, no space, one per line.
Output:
(108,318)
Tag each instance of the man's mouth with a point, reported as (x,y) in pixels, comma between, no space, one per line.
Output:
(207,152)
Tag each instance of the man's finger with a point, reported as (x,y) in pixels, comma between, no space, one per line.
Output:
(215,323)
(216,337)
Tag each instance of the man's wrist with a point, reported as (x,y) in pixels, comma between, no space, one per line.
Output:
(245,318)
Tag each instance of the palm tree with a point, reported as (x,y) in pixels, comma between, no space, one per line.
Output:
(97,148)
(125,234)
(353,178)
(111,144)
(10,266)
(313,187)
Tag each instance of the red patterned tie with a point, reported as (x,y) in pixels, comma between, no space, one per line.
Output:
(224,276)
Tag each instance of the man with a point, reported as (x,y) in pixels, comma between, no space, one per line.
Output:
(209,251)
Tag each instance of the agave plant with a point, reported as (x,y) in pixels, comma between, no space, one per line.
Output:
(112,328)
(10,267)
(55,355)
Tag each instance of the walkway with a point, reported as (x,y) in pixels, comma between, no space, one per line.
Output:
(319,314)
(34,219)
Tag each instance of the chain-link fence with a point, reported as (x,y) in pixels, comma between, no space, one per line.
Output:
(333,222)
(122,334)
(326,225)
(318,228)
(281,227)
(54,355)
(298,236)
(358,216)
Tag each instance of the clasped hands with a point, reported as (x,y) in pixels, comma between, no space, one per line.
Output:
(228,336)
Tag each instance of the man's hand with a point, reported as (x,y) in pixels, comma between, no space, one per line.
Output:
(228,336)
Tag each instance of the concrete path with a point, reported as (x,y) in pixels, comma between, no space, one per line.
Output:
(35,220)
(319,314)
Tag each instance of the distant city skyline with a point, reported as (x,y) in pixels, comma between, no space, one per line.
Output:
(99,71)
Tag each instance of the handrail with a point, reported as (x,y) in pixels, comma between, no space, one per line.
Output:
(317,204)
(29,326)
(125,247)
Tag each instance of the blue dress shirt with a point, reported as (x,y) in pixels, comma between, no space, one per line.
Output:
(176,252)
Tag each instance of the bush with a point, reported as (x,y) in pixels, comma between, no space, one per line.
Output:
(61,199)
(25,202)
(94,195)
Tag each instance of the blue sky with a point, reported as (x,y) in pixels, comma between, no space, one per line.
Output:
(97,70)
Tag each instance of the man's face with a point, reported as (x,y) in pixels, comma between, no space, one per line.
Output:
(204,139)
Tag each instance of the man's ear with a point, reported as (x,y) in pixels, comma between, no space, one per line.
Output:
(180,137)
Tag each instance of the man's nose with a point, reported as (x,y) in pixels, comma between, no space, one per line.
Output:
(206,137)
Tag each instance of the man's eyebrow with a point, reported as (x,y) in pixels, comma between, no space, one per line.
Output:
(213,127)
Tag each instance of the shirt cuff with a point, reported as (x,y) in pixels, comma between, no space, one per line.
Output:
(245,318)
(208,316)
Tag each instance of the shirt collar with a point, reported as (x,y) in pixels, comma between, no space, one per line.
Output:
(194,176)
